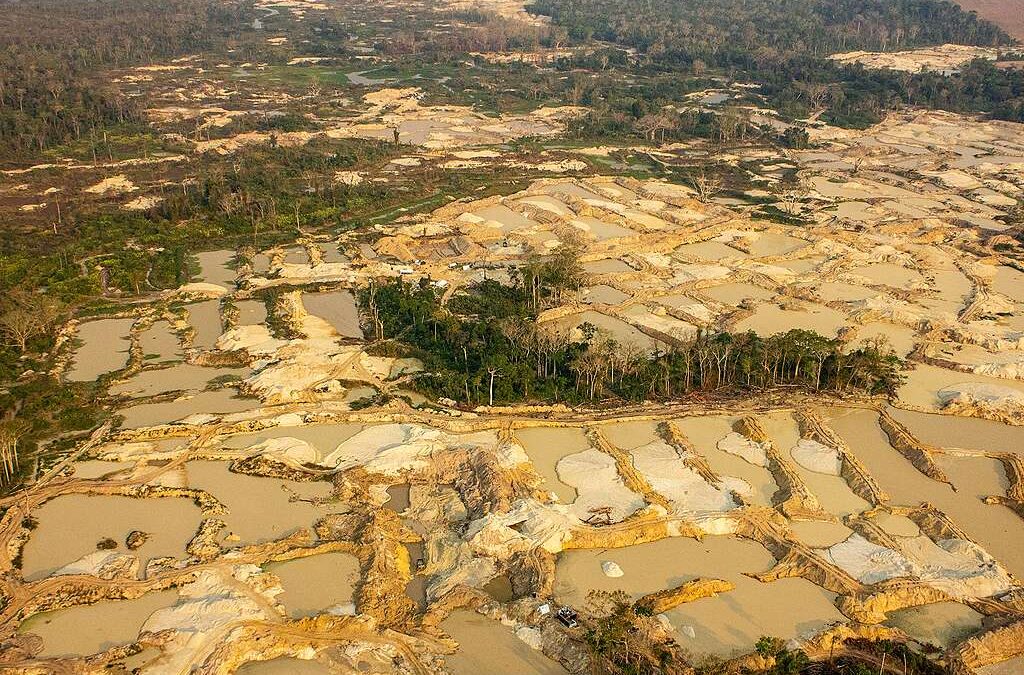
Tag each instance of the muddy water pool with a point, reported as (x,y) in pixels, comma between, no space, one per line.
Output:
(996,528)
(88,629)
(214,268)
(70,526)
(220,401)
(486,646)
(104,348)
(723,625)
(205,320)
(545,446)
(317,583)
(833,493)
(942,624)
(338,308)
(260,509)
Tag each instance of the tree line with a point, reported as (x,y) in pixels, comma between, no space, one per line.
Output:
(784,45)
(486,347)
(54,54)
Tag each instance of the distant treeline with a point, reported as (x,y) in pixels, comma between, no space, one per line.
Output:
(784,45)
(486,346)
(53,54)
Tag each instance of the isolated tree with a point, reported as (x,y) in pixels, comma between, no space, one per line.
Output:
(705,186)
(25,316)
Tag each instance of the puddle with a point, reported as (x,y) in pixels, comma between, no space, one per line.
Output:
(180,377)
(88,629)
(213,268)
(545,446)
(996,528)
(160,343)
(317,583)
(338,308)
(70,526)
(205,319)
(261,509)
(724,625)
(219,402)
(104,348)
(486,646)
(942,624)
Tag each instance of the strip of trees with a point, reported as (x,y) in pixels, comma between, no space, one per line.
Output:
(784,45)
(53,54)
(486,347)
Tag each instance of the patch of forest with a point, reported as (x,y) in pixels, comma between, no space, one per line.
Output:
(485,347)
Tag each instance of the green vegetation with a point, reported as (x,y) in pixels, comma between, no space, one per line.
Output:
(619,636)
(783,45)
(51,51)
(486,347)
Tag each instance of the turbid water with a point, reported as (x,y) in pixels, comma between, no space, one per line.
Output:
(969,433)
(337,308)
(323,437)
(705,433)
(317,583)
(616,329)
(833,493)
(251,312)
(205,320)
(925,382)
(220,401)
(69,527)
(724,625)
(104,348)
(736,293)
(942,624)
(771,319)
(486,646)
(820,534)
(546,446)
(994,527)
(179,377)
(214,268)
(260,509)
(160,343)
(87,629)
